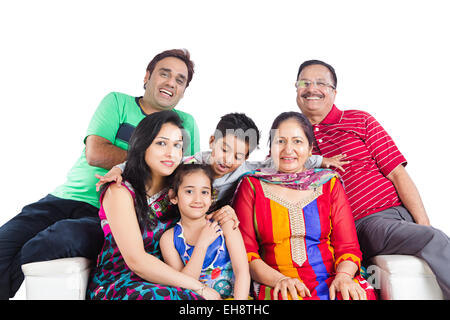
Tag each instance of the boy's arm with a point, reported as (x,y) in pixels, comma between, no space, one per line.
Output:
(314,161)
(238,256)
(121,166)
(335,161)
(115,174)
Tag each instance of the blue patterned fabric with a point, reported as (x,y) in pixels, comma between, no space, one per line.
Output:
(217,271)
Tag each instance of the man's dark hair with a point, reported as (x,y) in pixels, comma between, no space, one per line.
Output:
(182,54)
(315,62)
(241,126)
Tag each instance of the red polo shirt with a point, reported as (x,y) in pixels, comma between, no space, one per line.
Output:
(372,154)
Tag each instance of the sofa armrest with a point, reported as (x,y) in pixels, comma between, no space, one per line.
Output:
(59,279)
(403,277)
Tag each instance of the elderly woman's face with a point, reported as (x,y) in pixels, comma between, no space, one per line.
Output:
(290,147)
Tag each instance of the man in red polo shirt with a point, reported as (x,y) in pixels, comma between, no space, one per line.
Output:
(389,214)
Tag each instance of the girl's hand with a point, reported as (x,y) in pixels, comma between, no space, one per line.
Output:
(209,233)
(224,214)
(348,288)
(293,285)
(335,161)
(115,174)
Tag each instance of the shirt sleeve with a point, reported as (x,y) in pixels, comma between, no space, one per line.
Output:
(382,147)
(343,235)
(243,205)
(195,141)
(192,130)
(121,166)
(314,161)
(106,119)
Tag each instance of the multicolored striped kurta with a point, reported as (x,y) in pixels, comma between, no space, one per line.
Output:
(304,240)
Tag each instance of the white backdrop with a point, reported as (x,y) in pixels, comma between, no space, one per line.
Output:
(59,58)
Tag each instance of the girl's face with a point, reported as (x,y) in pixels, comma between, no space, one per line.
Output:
(194,195)
(164,154)
(290,147)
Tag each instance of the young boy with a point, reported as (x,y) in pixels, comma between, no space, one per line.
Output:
(235,138)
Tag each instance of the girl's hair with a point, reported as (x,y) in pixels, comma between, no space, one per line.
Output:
(136,171)
(301,120)
(182,171)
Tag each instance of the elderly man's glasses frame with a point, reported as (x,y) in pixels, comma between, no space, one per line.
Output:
(307,83)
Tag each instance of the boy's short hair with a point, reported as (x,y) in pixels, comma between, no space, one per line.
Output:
(241,126)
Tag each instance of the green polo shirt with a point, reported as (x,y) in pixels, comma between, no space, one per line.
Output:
(115,119)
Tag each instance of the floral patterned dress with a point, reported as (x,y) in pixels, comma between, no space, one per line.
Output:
(217,271)
(112,279)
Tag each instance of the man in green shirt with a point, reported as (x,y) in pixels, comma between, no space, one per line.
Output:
(65,223)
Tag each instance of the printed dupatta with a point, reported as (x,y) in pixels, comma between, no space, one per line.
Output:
(306,180)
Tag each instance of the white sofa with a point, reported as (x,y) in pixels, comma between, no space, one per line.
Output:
(402,277)
(397,277)
(60,279)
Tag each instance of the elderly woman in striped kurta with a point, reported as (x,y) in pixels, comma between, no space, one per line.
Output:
(297,224)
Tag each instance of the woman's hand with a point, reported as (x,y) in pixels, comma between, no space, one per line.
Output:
(208,293)
(348,288)
(115,174)
(224,214)
(209,233)
(294,286)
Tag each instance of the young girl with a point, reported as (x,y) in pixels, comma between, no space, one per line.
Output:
(203,249)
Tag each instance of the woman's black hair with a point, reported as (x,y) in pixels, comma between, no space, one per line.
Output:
(182,171)
(136,171)
(302,121)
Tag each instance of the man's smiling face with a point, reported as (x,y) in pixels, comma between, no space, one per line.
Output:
(165,86)
(316,100)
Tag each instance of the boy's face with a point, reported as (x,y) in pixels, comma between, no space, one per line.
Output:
(227,154)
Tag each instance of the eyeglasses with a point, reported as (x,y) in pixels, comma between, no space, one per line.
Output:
(307,83)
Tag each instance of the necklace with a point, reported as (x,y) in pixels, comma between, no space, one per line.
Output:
(151,198)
